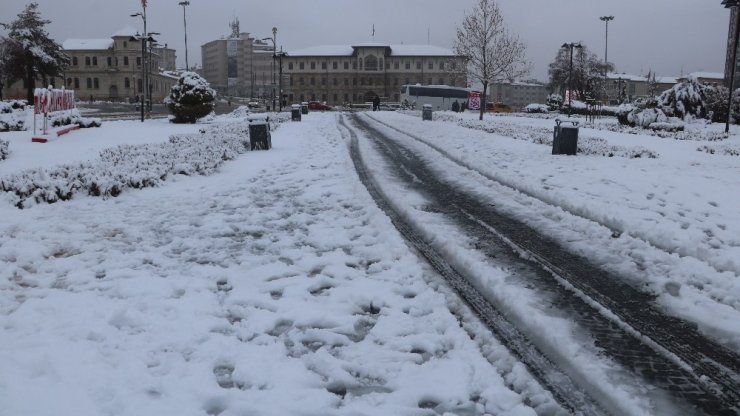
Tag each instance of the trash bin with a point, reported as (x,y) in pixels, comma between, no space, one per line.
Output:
(259,133)
(565,138)
(295,112)
(426,112)
(304,108)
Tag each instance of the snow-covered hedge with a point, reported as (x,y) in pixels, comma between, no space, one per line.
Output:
(586,145)
(723,149)
(537,108)
(4,149)
(15,121)
(131,167)
(9,106)
(66,118)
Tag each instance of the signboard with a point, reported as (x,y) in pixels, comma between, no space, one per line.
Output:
(474,101)
(47,101)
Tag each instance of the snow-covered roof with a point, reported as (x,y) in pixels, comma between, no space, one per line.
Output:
(709,75)
(626,77)
(87,44)
(666,80)
(396,50)
(126,31)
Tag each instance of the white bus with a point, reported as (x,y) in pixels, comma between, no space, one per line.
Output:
(441,97)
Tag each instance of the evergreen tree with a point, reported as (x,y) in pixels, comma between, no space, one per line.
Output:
(190,99)
(28,53)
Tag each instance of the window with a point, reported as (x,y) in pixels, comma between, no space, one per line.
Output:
(346,65)
(116,61)
(354,81)
(291,81)
(89,83)
(303,98)
(430,81)
(140,85)
(360,63)
(336,81)
(125,44)
(77,83)
(96,83)
(95,61)
(441,81)
(125,61)
(441,66)
(313,65)
(395,65)
(138,61)
(74,61)
(87,61)
(334,65)
(408,65)
(110,61)
(380,65)
(336,98)
(418,65)
(126,83)
(301,81)
(323,81)
(371,63)
(346,97)
(323,97)
(312,81)
(290,66)
(354,65)
(69,82)
(362,81)
(302,66)
(313,97)
(323,65)
(430,65)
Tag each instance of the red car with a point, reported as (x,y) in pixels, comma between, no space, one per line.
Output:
(315,105)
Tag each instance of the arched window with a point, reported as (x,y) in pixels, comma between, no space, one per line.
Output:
(360,63)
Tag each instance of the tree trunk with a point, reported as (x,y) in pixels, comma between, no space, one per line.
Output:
(483,100)
(30,84)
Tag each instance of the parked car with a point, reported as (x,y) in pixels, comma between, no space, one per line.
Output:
(498,108)
(315,105)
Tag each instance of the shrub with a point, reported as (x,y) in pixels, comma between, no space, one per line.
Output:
(190,99)
(685,99)
(537,108)
(4,149)
(554,101)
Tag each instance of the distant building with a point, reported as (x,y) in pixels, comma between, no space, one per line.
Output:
(710,78)
(239,65)
(621,87)
(517,94)
(342,74)
(110,69)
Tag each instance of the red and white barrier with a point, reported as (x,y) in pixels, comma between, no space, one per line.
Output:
(49,100)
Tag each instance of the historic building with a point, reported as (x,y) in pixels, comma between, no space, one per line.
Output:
(239,65)
(342,74)
(110,69)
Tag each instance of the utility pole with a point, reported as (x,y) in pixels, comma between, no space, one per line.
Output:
(570,74)
(606,19)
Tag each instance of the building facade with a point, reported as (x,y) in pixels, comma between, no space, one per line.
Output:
(518,95)
(110,69)
(239,65)
(341,74)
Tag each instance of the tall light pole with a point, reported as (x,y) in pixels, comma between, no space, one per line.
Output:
(274,42)
(570,73)
(185,24)
(606,19)
(280,77)
(144,78)
(732,4)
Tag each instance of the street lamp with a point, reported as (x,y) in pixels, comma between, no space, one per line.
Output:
(185,23)
(274,55)
(280,77)
(570,73)
(606,19)
(144,78)
(733,63)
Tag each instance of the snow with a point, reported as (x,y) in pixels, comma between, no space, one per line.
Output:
(396,50)
(87,44)
(275,286)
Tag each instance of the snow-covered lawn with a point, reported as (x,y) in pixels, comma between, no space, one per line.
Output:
(684,202)
(274,287)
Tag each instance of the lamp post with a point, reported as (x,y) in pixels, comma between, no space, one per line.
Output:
(185,24)
(606,19)
(732,4)
(274,55)
(570,73)
(144,78)
(142,39)
(280,77)
(150,63)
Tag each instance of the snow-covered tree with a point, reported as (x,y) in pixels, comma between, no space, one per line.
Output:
(554,102)
(687,98)
(588,72)
(28,53)
(191,98)
(491,51)
(715,100)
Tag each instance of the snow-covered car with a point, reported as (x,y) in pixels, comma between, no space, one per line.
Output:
(315,105)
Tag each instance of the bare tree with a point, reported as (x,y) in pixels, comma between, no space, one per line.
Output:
(491,51)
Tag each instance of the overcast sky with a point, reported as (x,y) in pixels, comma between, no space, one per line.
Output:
(667,36)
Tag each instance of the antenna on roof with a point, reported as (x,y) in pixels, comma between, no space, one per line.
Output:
(429,42)
(373,31)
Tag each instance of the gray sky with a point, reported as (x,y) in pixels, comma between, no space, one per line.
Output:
(663,35)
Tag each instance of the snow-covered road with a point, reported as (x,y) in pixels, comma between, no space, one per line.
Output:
(273,287)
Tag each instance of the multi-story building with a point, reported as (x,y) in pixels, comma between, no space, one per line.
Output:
(239,65)
(518,94)
(341,74)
